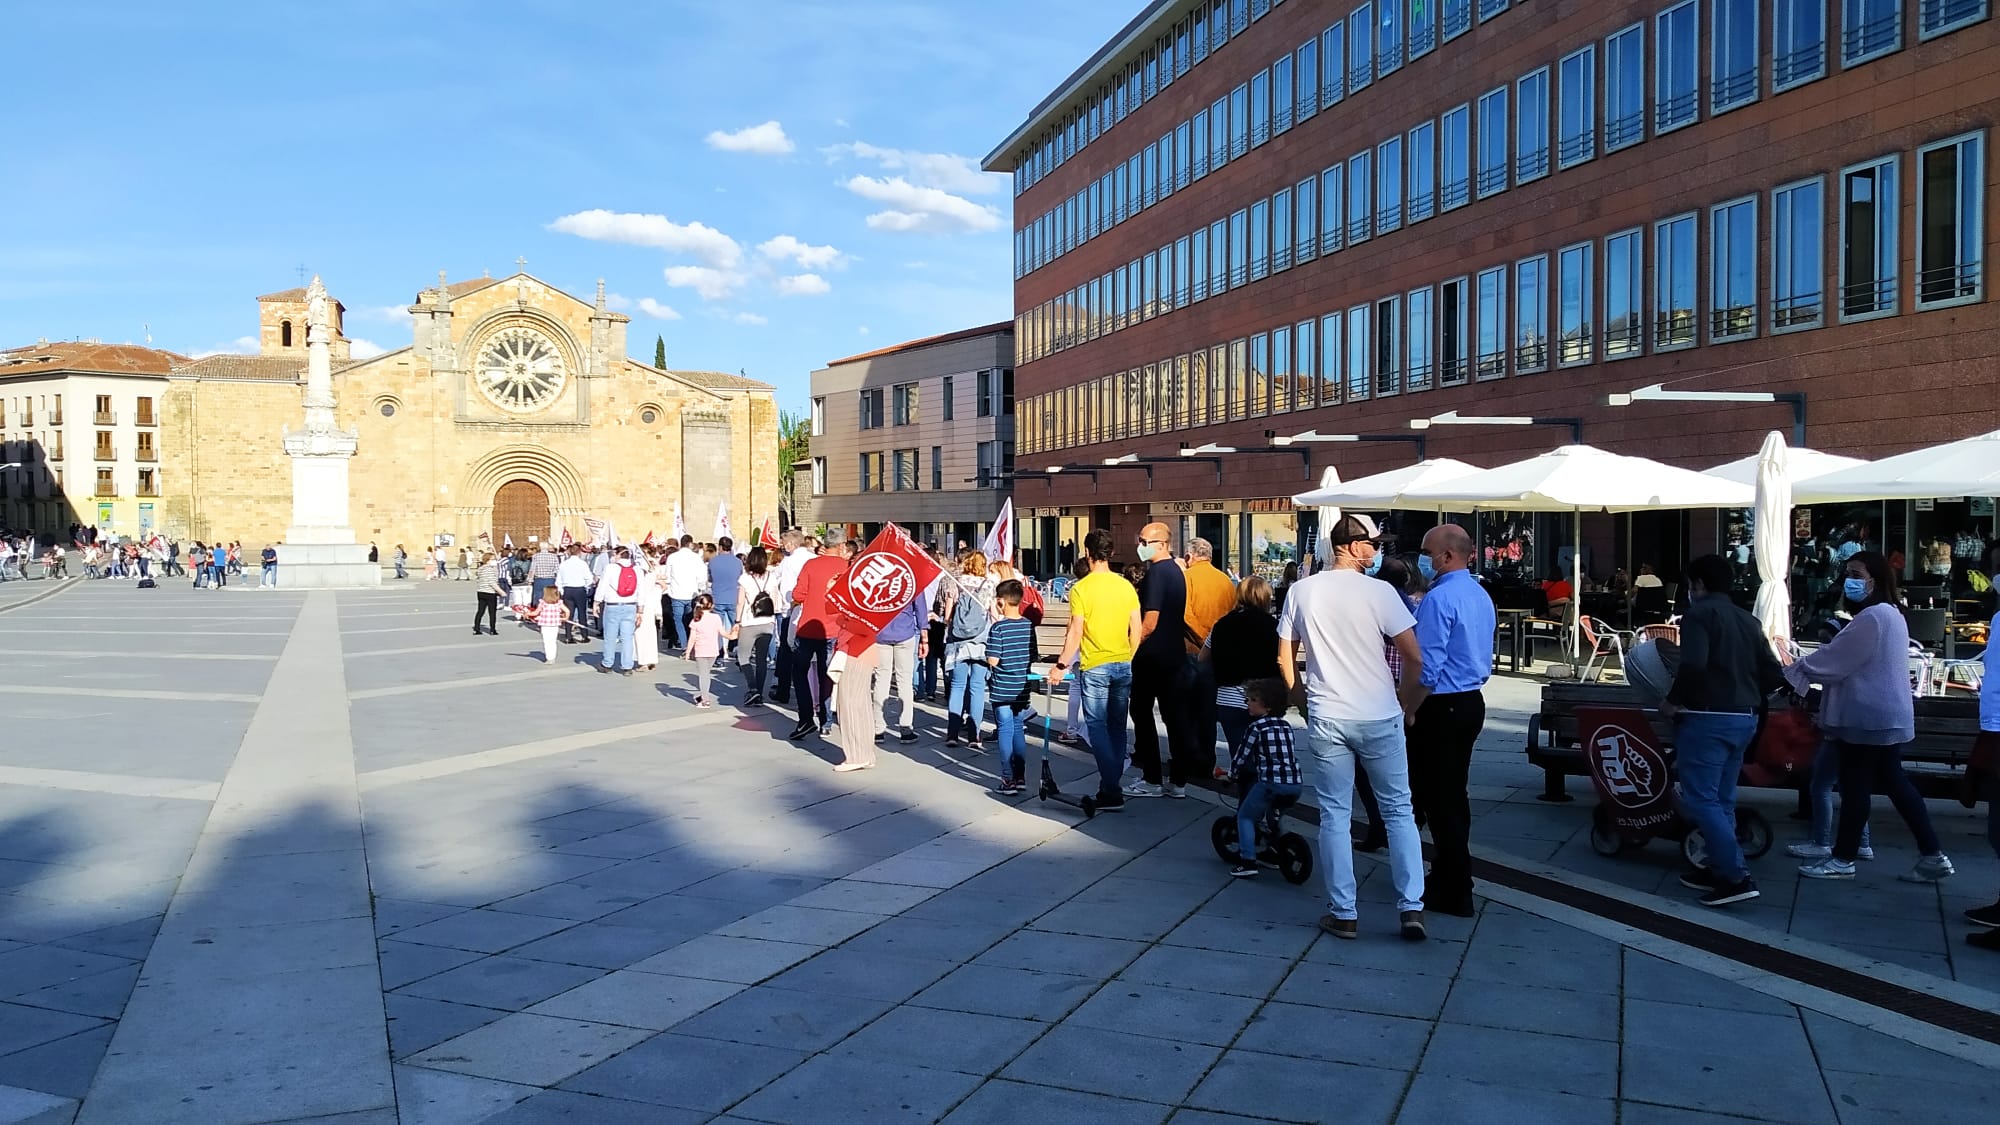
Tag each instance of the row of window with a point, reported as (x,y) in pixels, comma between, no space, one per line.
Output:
(1269,104)
(1436,167)
(50,447)
(22,409)
(899,470)
(1320,73)
(993,396)
(45,482)
(1590,301)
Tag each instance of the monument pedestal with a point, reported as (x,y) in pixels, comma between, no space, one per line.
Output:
(319,551)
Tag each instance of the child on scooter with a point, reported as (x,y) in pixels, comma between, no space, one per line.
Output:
(1010,647)
(1267,772)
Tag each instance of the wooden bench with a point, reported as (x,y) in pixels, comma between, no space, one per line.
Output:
(1935,761)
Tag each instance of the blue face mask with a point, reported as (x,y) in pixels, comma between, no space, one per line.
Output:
(1375,564)
(1426,568)
(1855,590)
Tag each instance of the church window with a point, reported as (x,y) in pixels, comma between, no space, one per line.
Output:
(388,410)
(285,334)
(649,416)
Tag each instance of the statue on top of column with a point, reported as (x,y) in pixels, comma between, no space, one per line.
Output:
(316,315)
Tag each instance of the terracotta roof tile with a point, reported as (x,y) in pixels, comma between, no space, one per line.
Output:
(277,368)
(928,341)
(708,380)
(116,359)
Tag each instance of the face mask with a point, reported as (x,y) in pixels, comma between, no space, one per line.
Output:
(1375,563)
(1145,552)
(1426,567)
(1855,590)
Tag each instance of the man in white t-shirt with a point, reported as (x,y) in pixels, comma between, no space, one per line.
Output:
(1354,714)
(797,555)
(686,575)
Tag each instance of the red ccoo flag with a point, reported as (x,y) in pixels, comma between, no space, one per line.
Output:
(766,538)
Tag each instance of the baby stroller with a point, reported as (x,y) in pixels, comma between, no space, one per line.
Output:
(1276,845)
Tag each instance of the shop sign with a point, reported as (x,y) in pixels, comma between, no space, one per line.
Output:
(104,515)
(145,517)
(1982,505)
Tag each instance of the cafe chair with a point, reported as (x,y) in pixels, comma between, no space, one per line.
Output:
(1604,643)
(1927,627)
(1651,605)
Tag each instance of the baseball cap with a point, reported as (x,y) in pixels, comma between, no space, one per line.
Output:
(1352,529)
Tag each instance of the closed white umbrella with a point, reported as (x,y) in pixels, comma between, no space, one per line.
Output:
(1774,538)
(1328,513)
(1800,465)
(1384,490)
(1961,468)
(1579,479)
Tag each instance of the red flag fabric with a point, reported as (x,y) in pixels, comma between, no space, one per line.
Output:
(1622,749)
(565,542)
(767,539)
(648,540)
(891,573)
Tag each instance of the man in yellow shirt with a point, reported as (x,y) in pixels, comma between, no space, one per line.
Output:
(1104,631)
(1210,597)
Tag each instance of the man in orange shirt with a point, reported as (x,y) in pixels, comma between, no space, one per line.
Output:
(1210,597)
(813,633)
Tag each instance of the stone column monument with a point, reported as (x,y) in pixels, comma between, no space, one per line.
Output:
(319,550)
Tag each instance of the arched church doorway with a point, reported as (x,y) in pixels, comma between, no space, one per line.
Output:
(520,510)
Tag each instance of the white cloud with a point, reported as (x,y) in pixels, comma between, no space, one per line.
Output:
(697,240)
(242,345)
(786,248)
(863,330)
(914,208)
(617,302)
(803,285)
(768,139)
(394,314)
(749,318)
(946,171)
(364,349)
(711,283)
(656,310)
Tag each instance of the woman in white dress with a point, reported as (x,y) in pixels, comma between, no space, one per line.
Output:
(646,639)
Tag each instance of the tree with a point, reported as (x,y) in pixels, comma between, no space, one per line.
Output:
(794,445)
(660,352)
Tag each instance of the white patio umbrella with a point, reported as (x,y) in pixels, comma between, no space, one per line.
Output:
(1961,468)
(1579,479)
(1774,538)
(1800,465)
(1385,490)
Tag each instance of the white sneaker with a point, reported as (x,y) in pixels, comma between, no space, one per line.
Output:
(1828,868)
(1142,788)
(1864,853)
(1177,792)
(1929,869)
(1806,849)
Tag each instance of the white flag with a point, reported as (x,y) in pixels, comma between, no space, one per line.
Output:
(721,522)
(999,543)
(680,525)
(596,528)
(507,540)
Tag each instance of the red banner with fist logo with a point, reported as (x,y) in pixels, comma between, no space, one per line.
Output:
(882,580)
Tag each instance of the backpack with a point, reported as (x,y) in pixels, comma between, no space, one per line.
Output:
(969,619)
(517,570)
(628,581)
(1978,580)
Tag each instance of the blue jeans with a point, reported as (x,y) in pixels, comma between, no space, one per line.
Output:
(1825,773)
(534,598)
(678,611)
(1337,746)
(728,615)
(1709,748)
(1235,724)
(270,575)
(967,699)
(1107,709)
(1253,808)
(1013,740)
(620,623)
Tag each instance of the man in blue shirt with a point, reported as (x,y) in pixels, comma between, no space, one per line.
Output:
(1455,624)
(725,571)
(902,642)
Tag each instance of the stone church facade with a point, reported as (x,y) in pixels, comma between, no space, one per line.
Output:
(514,411)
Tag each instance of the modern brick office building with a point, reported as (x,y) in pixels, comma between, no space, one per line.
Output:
(1243,220)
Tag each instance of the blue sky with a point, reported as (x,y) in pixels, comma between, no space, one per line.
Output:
(770,184)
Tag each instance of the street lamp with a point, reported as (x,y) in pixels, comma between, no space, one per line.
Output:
(1658,393)
(1205,451)
(1134,461)
(1314,436)
(1454,418)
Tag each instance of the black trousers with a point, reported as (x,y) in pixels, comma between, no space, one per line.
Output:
(1440,758)
(577,598)
(489,608)
(1162,682)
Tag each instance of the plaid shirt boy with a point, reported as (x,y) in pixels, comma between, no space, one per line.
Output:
(1267,749)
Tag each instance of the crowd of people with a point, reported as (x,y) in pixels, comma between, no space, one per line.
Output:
(205,565)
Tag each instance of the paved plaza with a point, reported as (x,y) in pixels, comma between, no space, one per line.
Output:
(273,856)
